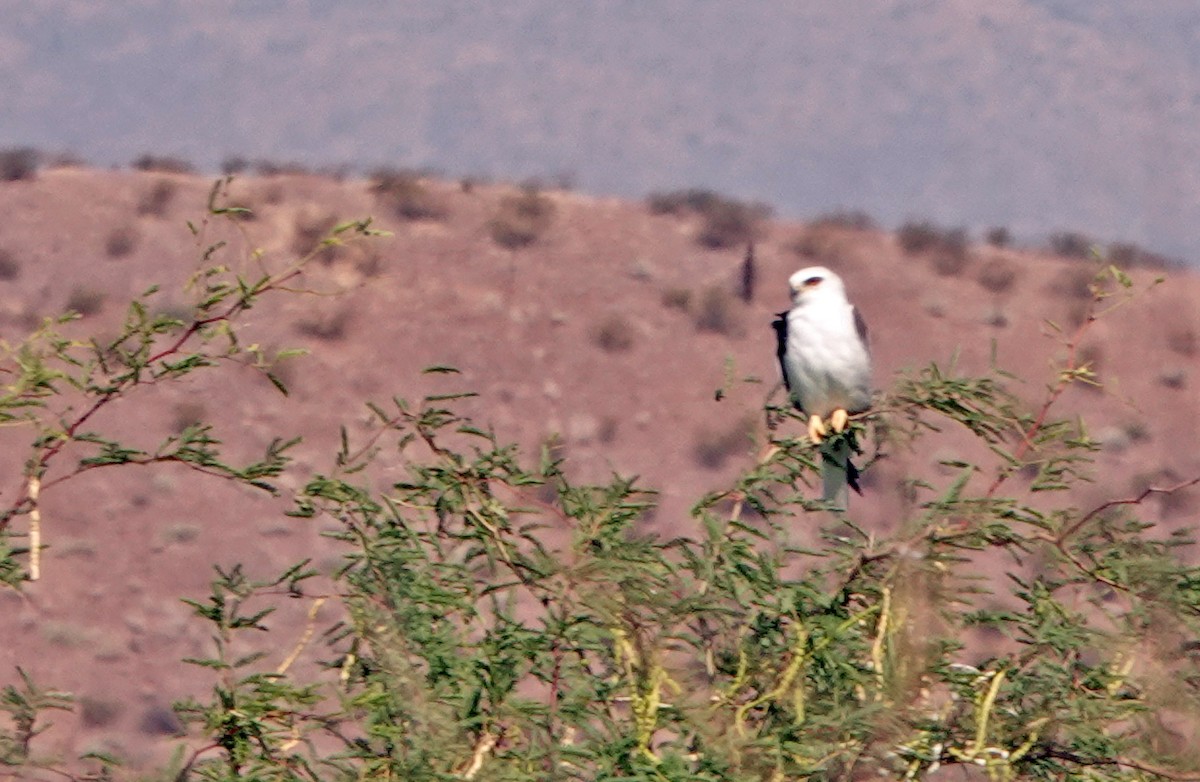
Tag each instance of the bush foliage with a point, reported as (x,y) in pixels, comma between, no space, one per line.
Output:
(501,622)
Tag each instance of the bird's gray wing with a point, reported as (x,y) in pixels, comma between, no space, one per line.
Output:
(860,326)
(780,324)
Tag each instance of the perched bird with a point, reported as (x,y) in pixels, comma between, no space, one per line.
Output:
(822,350)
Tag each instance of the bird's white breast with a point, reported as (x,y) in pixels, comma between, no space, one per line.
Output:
(827,363)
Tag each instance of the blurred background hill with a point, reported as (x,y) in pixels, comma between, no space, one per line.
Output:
(1040,115)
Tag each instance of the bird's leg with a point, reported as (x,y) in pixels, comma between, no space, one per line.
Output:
(838,420)
(816,428)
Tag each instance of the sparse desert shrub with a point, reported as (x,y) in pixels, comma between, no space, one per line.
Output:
(677,299)
(1127,254)
(369,264)
(18,164)
(328,326)
(1175,379)
(64,159)
(716,312)
(273,194)
(677,202)
(1071,244)
(998,276)
(406,193)
(821,243)
(610,427)
(712,448)
(730,224)
(163,164)
(1183,340)
(157,200)
(922,236)
(336,172)
(917,237)
(159,720)
(99,712)
(1123,253)
(615,334)
(851,219)
(234,164)
(949,263)
(998,236)
(521,219)
(180,532)
(727,222)
(121,241)
(85,301)
(273,168)
(10,269)
(1074,284)
(63,634)
(309,230)
(187,414)
(1137,431)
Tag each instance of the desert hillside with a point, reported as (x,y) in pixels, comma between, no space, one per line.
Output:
(601,328)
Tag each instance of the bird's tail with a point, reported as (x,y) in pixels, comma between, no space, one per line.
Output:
(838,473)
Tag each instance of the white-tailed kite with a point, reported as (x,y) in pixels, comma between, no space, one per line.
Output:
(822,350)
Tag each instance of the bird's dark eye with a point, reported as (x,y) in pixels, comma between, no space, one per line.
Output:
(811,281)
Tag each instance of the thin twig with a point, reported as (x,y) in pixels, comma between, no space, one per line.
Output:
(35,528)
(309,629)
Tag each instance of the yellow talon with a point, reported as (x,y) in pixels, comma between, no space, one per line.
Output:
(816,428)
(839,419)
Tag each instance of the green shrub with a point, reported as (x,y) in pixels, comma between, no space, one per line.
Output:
(498,620)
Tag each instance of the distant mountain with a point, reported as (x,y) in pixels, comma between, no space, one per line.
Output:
(1035,114)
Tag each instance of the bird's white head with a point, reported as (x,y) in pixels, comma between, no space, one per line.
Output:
(815,282)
